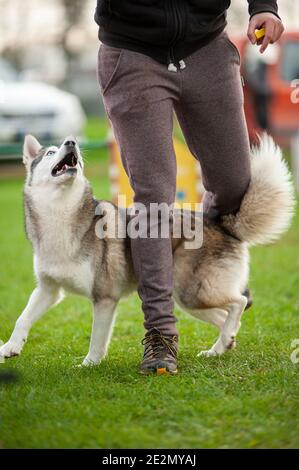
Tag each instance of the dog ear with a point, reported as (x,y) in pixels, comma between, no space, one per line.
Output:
(31,148)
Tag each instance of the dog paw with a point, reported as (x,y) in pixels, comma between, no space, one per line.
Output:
(208,353)
(222,345)
(89,362)
(10,349)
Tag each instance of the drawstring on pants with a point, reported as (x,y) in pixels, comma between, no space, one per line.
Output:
(173,68)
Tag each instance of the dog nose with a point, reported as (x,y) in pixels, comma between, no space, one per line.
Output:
(70,142)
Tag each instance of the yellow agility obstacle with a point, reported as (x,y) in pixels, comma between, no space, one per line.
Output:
(189,182)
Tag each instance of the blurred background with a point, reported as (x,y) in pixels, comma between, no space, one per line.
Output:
(48,84)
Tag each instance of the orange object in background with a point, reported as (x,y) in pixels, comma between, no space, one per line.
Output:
(271,108)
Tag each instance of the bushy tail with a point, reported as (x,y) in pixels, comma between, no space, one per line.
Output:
(268,205)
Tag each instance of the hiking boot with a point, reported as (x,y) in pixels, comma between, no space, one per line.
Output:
(160,353)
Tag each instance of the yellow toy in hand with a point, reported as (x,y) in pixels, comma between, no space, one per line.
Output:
(260,33)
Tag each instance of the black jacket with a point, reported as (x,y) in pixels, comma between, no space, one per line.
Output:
(166,30)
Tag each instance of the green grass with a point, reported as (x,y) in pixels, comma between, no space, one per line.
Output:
(248,398)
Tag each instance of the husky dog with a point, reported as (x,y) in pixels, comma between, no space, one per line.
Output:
(70,257)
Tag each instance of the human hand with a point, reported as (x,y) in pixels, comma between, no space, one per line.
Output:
(273,26)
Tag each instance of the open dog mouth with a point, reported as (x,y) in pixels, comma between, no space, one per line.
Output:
(67,164)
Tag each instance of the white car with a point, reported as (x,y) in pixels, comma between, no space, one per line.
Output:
(36,108)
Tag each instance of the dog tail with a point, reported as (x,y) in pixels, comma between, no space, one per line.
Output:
(268,205)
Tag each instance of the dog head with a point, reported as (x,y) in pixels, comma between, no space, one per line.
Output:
(52,165)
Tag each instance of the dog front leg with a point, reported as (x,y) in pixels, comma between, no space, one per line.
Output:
(103,320)
(42,298)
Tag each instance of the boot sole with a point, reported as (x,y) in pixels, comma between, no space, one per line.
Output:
(158,371)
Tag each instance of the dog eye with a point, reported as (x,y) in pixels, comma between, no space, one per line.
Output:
(51,152)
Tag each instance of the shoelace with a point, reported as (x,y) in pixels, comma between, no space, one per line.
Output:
(158,343)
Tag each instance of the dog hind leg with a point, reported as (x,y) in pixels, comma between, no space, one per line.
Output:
(215,316)
(229,331)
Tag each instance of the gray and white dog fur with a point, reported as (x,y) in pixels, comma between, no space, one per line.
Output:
(70,257)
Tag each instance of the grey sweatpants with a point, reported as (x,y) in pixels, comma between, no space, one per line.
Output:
(139,96)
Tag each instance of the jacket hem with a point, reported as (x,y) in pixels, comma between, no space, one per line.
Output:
(159,53)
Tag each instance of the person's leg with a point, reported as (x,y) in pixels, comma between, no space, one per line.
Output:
(139,102)
(211,116)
